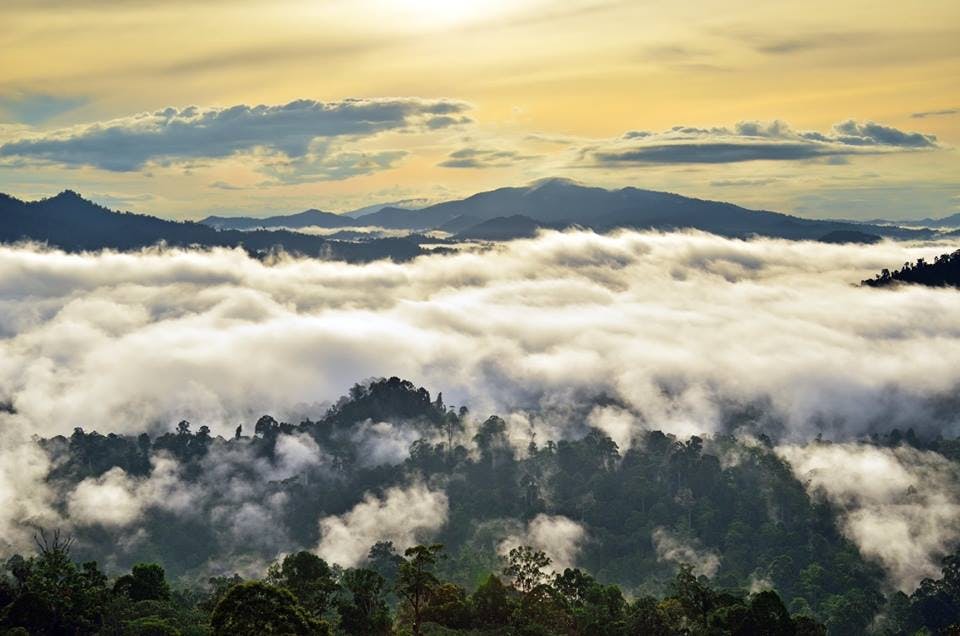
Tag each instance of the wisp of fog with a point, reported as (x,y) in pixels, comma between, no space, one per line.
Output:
(683,332)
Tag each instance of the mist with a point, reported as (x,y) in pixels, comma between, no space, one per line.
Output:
(676,328)
(687,333)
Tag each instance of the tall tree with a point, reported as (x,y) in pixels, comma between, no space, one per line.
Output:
(416,580)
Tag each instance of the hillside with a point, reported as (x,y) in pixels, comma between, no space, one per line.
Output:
(72,223)
(944,271)
(308,218)
(501,228)
(628,516)
(563,202)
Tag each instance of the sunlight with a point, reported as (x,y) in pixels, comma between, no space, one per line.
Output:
(445,12)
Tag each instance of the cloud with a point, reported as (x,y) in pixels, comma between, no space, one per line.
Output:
(153,337)
(557,536)
(681,332)
(737,183)
(803,43)
(670,547)
(321,164)
(116,499)
(754,141)
(37,108)
(26,498)
(481,158)
(900,506)
(936,113)
(403,516)
(177,135)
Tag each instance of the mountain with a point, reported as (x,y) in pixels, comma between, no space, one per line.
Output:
(459,223)
(309,218)
(849,236)
(501,228)
(564,202)
(70,222)
(952,221)
(403,204)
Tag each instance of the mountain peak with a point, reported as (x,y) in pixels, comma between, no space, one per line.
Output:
(67,195)
(553,182)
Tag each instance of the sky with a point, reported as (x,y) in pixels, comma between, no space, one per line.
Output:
(181,109)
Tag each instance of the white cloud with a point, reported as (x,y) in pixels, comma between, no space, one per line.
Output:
(286,130)
(676,328)
(900,506)
(404,516)
(559,537)
(675,549)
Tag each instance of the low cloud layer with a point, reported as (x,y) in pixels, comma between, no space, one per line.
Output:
(755,141)
(559,537)
(674,549)
(900,506)
(288,130)
(404,516)
(677,329)
(682,332)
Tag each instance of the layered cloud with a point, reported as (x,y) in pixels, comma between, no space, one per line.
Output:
(675,549)
(683,332)
(680,330)
(483,158)
(899,505)
(754,141)
(295,130)
(403,516)
(559,537)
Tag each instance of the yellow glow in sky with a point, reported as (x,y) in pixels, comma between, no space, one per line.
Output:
(548,85)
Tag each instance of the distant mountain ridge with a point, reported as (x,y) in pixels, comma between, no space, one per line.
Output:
(72,223)
(951,221)
(561,203)
(308,218)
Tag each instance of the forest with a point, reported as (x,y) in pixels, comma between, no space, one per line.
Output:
(703,535)
(944,271)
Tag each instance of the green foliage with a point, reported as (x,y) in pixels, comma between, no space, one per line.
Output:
(740,502)
(416,581)
(361,603)
(526,567)
(308,578)
(145,583)
(254,608)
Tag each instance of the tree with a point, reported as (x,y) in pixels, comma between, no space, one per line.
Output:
(254,608)
(767,616)
(146,582)
(308,578)
(694,594)
(526,567)
(490,604)
(448,606)
(416,580)
(384,560)
(55,595)
(361,605)
(644,618)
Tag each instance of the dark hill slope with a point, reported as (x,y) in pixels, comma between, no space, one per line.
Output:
(73,223)
(308,218)
(561,202)
(944,271)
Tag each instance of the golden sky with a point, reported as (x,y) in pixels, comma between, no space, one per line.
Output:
(841,108)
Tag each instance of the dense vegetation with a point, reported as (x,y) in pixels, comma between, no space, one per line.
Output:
(302,594)
(737,501)
(944,271)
